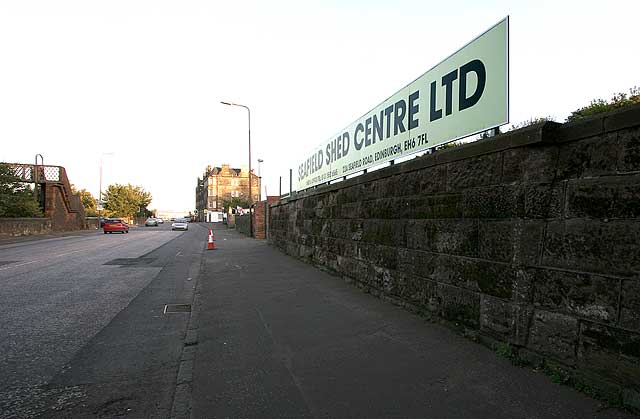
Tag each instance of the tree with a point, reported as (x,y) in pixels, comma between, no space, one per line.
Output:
(235,202)
(126,201)
(16,198)
(88,201)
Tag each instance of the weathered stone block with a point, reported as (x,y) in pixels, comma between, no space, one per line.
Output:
(406,184)
(307,226)
(596,156)
(631,398)
(353,268)
(530,164)
(350,210)
(409,288)
(349,194)
(629,156)
(504,320)
(475,171)
(384,256)
(383,208)
(305,252)
(306,240)
(555,335)
(584,295)
(503,201)
(606,197)
(319,255)
(490,278)
(610,352)
(514,241)
(593,246)
(320,227)
(416,262)
(455,304)
(340,229)
(385,232)
(457,237)
(543,201)
(292,249)
(434,206)
(432,179)
(630,305)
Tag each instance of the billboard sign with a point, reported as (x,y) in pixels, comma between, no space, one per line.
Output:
(465,94)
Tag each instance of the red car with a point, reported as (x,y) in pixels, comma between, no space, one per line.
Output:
(115,224)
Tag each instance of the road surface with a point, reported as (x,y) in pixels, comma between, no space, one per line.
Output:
(83,326)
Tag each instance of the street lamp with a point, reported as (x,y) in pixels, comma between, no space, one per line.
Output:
(249,125)
(100,191)
(260,177)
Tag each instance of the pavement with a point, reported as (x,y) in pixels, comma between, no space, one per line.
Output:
(277,338)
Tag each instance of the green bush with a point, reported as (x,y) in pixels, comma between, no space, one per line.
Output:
(597,106)
(532,121)
(16,198)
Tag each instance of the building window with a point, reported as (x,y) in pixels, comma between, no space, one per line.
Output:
(235,182)
(235,194)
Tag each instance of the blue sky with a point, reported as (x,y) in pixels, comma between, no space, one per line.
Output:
(144,79)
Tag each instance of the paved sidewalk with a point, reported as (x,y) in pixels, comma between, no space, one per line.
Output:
(279,338)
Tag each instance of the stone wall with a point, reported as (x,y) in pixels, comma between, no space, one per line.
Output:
(531,238)
(24,226)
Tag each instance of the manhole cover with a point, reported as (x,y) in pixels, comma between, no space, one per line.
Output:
(177,308)
(131,261)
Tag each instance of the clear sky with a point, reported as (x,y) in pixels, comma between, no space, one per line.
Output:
(144,79)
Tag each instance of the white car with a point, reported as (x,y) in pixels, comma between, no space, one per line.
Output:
(180,225)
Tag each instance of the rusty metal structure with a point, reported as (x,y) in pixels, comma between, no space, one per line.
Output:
(54,194)
(53,175)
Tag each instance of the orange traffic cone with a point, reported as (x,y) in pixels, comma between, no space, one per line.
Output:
(210,244)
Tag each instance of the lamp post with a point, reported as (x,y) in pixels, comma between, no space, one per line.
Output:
(35,177)
(249,125)
(100,190)
(260,178)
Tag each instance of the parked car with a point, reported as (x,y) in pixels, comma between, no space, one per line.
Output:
(180,225)
(151,222)
(115,224)
(160,220)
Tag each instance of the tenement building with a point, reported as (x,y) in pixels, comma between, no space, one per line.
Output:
(218,184)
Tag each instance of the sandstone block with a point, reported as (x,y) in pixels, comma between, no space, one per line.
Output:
(555,335)
(610,352)
(593,246)
(583,295)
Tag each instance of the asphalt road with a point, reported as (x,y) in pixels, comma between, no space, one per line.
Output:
(83,330)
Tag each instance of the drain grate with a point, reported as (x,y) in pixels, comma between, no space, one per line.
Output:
(177,308)
(131,261)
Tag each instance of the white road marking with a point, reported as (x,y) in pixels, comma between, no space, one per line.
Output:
(19,264)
